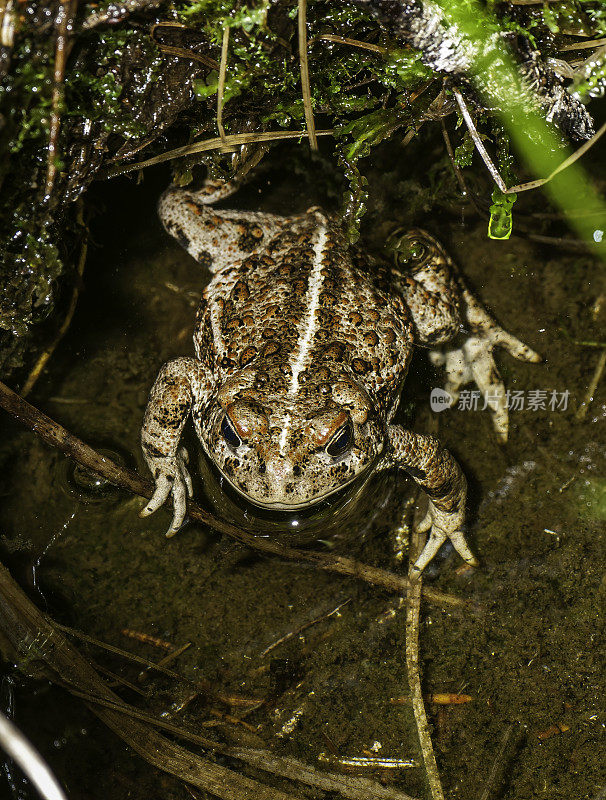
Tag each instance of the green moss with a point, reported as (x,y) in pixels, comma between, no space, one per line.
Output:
(116,84)
(96,90)
(568,18)
(31,86)
(29,266)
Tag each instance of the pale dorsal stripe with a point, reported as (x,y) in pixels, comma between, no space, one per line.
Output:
(308,326)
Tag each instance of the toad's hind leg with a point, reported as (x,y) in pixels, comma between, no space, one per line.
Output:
(215,238)
(441,307)
(425,277)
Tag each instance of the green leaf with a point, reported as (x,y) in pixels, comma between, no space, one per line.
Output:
(500,223)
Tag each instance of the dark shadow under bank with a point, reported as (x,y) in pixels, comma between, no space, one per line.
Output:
(528,654)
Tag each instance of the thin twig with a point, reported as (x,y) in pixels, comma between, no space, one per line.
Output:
(455,167)
(57,436)
(329,37)
(582,45)
(497,764)
(200,684)
(221,82)
(309,113)
(580,342)
(136,713)
(181,52)
(593,385)
(304,627)
(574,245)
(45,356)
(164,662)
(117,680)
(216,143)
(413,604)
(478,142)
(522,187)
(170,658)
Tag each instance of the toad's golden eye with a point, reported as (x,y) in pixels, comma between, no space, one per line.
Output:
(341,441)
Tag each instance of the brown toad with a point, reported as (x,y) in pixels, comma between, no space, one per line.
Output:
(302,346)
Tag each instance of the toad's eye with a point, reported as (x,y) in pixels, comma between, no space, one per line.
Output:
(418,250)
(408,250)
(341,441)
(229,434)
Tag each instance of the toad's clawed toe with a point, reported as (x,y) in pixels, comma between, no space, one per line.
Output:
(442,526)
(172,478)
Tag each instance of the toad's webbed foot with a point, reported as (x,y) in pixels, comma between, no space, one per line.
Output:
(437,472)
(172,478)
(474,362)
(441,526)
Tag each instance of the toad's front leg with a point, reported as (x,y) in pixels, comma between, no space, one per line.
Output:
(180,384)
(437,472)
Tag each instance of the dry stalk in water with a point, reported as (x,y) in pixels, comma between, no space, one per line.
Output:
(593,385)
(413,604)
(63,21)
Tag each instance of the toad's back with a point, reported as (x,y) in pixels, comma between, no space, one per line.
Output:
(301,310)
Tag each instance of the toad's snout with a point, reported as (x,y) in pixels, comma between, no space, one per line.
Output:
(278,470)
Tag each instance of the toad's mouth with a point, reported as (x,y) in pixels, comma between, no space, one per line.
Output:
(332,496)
(281,505)
(317,519)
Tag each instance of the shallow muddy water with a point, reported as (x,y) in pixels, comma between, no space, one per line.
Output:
(527,650)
